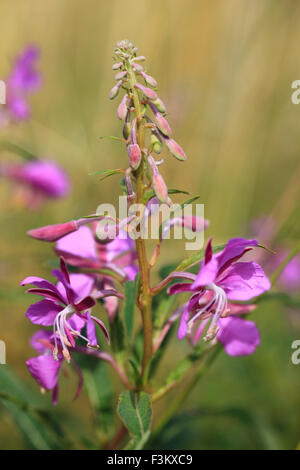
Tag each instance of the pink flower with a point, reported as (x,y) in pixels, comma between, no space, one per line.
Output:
(23,80)
(221,279)
(37,180)
(66,307)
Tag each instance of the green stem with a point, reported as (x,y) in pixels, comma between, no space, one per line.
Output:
(145,300)
(290,256)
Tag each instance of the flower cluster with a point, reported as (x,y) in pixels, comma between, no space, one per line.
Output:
(219,293)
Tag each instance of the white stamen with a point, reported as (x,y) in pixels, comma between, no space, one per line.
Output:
(219,302)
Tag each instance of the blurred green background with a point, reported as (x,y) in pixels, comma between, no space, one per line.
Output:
(224,69)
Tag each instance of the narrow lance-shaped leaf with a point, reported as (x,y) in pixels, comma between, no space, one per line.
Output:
(135,411)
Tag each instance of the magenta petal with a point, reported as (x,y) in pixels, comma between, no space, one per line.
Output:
(234,249)
(87,302)
(44,369)
(39,339)
(39,282)
(43,312)
(91,331)
(207,274)
(82,285)
(180,287)
(239,337)
(76,322)
(103,328)
(183,326)
(243,281)
(80,243)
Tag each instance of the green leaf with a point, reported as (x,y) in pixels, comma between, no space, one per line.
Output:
(130,289)
(135,411)
(106,173)
(13,148)
(196,257)
(150,194)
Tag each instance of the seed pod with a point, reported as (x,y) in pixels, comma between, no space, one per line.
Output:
(115,90)
(117,65)
(146,91)
(120,75)
(159,105)
(135,155)
(156,144)
(149,80)
(122,108)
(175,149)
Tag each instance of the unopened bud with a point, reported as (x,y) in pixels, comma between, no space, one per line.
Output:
(140,58)
(137,67)
(160,187)
(175,149)
(117,65)
(146,91)
(194,223)
(52,233)
(163,125)
(126,130)
(120,75)
(159,105)
(156,144)
(135,156)
(122,108)
(115,90)
(149,80)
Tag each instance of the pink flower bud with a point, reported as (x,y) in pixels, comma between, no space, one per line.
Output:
(175,149)
(117,65)
(149,80)
(122,109)
(137,67)
(160,187)
(160,105)
(163,124)
(194,223)
(52,233)
(146,91)
(140,58)
(115,90)
(135,156)
(120,75)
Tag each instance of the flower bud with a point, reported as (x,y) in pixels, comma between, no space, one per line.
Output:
(137,67)
(135,156)
(120,75)
(126,130)
(117,65)
(163,124)
(52,233)
(122,109)
(156,144)
(160,187)
(194,223)
(115,90)
(146,91)
(175,149)
(159,105)
(149,80)
(140,58)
